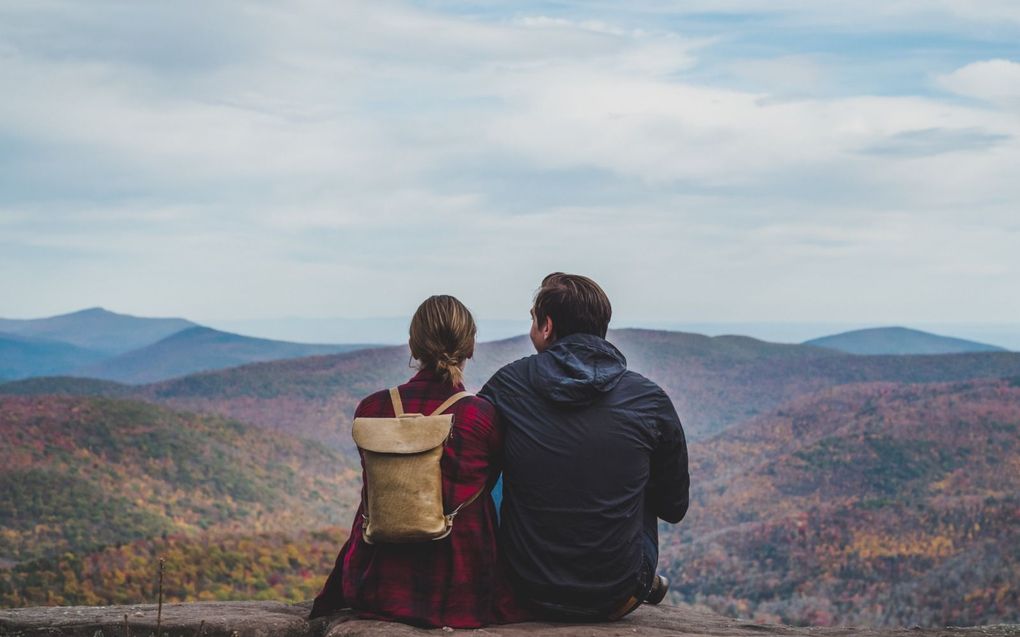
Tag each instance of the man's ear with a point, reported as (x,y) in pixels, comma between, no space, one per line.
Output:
(548,331)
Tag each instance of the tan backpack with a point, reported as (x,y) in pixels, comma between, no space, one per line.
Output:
(403,479)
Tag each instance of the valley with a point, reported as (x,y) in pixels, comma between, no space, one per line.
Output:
(828,487)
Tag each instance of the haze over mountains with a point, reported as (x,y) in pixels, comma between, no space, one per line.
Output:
(899,340)
(828,487)
(198,349)
(392,330)
(97,329)
(97,343)
(715,382)
(24,356)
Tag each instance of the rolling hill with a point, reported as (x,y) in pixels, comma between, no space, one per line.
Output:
(827,487)
(23,357)
(875,504)
(899,340)
(82,473)
(197,349)
(99,344)
(97,329)
(715,382)
(66,386)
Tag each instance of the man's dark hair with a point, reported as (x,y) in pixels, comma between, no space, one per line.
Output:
(576,304)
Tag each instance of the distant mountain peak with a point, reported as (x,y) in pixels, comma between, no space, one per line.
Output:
(99,311)
(198,348)
(898,339)
(97,328)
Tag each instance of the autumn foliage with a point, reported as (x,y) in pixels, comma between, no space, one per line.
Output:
(82,473)
(827,488)
(268,566)
(878,504)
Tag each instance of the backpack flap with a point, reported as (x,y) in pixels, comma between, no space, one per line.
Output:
(410,433)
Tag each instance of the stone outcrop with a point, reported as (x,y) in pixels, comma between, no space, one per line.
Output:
(272,619)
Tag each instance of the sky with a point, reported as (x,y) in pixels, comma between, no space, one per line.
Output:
(724,161)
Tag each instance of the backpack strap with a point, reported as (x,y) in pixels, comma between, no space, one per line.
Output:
(449,402)
(398,405)
(453,514)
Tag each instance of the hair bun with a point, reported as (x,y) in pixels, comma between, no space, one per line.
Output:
(442,336)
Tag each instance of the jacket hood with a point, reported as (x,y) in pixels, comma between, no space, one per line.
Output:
(577,369)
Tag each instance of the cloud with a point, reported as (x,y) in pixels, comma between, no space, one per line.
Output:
(899,15)
(935,141)
(296,158)
(995,81)
(785,76)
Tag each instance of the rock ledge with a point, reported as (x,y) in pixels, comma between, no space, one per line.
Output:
(272,619)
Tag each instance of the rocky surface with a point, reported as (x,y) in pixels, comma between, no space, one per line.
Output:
(271,619)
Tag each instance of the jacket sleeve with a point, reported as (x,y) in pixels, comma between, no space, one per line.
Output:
(670,481)
(490,391)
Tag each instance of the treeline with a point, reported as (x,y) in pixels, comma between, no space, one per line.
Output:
(879,504)
(80,473)
(898,565)
(258,567)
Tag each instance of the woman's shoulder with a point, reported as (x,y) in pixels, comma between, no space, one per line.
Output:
(381,404)
(474,408)
(376,404)
(478,403)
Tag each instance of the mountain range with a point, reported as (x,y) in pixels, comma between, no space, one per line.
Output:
(715,382)
(899,340)
(26,356)
(96,343)
(827,487)
(97,329)
(197,349)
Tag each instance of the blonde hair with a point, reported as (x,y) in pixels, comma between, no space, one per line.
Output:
(442,336)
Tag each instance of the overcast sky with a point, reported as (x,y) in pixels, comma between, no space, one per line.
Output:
(723,160)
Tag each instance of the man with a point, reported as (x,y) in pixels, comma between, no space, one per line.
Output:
(594,455)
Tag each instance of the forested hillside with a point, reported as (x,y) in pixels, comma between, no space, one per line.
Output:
(827,498)
(81,473)
(874,504)
(278,566)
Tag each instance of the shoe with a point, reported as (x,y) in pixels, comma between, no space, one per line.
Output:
(660,586)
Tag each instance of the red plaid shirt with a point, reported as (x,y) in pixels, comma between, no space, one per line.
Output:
(456,581)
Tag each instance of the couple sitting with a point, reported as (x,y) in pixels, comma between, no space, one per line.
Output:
(591,454)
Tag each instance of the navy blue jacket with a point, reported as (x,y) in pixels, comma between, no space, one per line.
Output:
(594,453)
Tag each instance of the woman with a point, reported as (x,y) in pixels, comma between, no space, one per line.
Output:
(455,581)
